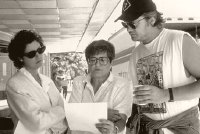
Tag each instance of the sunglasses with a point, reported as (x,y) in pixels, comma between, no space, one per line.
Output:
(32,54)
(132,24)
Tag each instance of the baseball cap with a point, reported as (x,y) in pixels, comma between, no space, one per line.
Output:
(132,9)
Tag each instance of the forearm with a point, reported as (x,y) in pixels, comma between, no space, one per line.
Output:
(31,115)
(54,118)
(42,120)
(187,92)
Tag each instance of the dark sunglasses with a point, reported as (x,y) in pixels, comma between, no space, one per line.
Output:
(132,24)
(32,54)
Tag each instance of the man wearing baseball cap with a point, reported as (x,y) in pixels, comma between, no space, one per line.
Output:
(165,73)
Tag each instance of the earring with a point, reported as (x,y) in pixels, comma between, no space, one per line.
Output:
(20,60)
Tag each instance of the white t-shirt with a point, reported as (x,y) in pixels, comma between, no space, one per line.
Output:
(160,63)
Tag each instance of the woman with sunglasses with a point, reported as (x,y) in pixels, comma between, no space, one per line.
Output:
(36,105)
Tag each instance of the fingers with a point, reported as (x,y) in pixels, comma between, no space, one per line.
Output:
(105,126)
(113,111)
(104,130)
(140,93)
(148,94)
(113,115)
(144,88)
(143,102)
(116,117)
(105,122)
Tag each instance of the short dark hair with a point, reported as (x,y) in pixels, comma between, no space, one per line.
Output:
(18,45)
(100,46)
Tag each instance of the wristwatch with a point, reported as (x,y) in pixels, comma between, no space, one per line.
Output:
(171,96)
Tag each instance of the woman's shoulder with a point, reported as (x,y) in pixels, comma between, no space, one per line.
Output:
(16,78)
(17,82)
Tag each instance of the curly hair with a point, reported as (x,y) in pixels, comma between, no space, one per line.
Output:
(100,46)
(18,45)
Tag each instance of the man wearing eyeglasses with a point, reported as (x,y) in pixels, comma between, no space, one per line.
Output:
(100,85)
(165,73)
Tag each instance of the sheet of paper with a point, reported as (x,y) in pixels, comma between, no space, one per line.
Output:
(84,116)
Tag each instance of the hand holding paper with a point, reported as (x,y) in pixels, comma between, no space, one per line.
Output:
(106,126)
(84,116)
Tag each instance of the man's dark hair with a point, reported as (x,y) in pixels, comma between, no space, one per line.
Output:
(100,46)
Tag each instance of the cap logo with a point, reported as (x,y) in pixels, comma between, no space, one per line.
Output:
(126,5)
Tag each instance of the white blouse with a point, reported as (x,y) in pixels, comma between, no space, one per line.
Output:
(39,109)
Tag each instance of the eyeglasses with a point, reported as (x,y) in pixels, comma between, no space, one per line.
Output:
(102,60)
(32,54)
(132,24)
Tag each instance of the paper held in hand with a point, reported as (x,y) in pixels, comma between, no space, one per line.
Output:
(84,116)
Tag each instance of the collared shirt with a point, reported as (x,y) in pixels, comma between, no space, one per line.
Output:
(115,91)
(45,82)
(38,108)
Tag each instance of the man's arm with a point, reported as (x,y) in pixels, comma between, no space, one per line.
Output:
(122,106)
(191,60)
(118,119)
(120,124)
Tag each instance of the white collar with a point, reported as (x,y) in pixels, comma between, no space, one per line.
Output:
(45,83)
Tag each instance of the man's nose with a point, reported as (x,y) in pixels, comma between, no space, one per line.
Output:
(97,62)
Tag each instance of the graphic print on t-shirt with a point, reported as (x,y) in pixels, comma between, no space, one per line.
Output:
(149,72)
